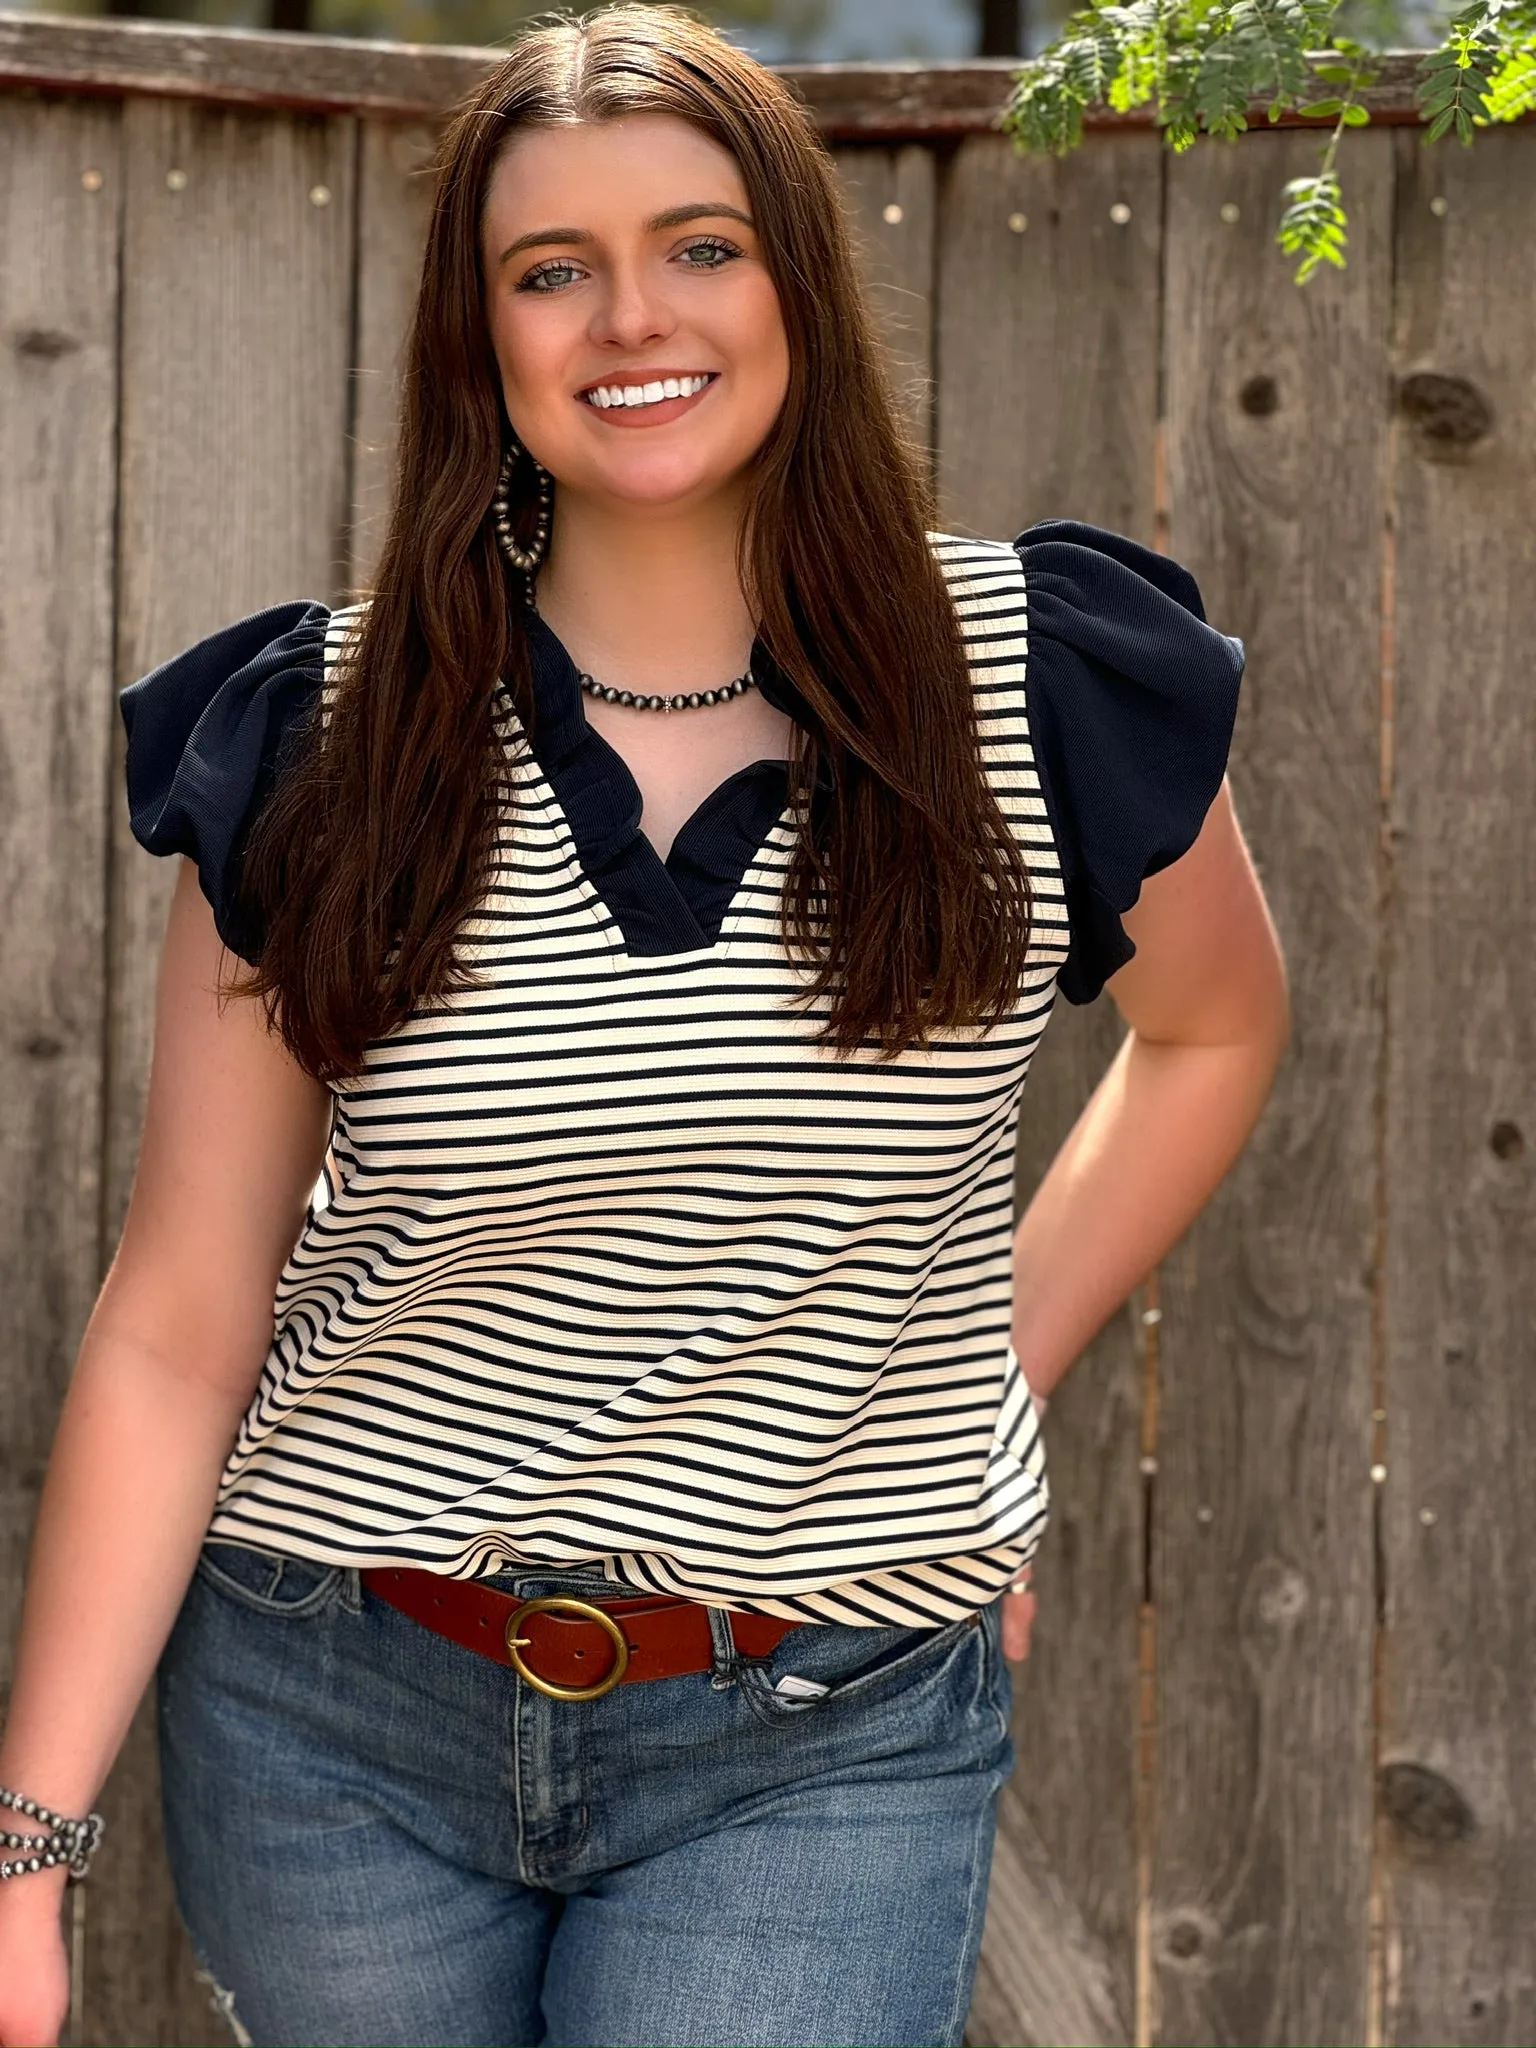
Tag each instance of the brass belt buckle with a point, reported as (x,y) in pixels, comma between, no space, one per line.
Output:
(562,1603)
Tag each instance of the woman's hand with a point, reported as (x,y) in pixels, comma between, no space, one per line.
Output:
(1019,1617)
(34,1963)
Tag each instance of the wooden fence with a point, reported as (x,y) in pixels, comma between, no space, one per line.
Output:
(1277,1741)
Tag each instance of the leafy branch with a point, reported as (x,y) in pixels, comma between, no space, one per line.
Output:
(1201,63)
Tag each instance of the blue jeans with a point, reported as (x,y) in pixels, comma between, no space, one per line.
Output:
(381,1838)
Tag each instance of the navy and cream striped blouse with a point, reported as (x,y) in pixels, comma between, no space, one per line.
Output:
(613,1262)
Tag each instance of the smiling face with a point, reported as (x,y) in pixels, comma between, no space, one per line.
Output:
(642,351)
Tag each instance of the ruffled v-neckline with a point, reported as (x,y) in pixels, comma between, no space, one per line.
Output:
(661,905)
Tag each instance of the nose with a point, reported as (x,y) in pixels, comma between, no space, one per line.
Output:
(633,312)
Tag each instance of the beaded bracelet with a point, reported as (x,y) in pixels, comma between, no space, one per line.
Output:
(68,1844)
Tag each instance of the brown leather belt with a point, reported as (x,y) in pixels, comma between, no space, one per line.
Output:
(566,1648)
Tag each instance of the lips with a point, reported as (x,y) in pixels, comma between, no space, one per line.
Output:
(639,394)
(609,404)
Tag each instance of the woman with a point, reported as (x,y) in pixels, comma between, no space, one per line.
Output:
(649,904)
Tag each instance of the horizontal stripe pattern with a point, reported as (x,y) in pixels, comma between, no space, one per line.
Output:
(616,1264)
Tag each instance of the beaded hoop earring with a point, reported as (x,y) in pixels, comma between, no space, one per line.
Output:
(525,558)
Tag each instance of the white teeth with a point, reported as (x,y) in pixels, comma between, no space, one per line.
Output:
(653,393)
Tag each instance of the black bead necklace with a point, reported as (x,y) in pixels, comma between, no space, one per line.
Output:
(682,700)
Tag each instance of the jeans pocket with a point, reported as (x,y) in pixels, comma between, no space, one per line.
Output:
(266,1581)
(831,1665)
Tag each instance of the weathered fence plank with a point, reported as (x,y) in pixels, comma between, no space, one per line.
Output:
(394,195)
(1459,1516)
(343,74)
(1047,406)
(60,192)
(236,334)
(1044,1975)
(1262,1543)
(891,198)
(1047,340)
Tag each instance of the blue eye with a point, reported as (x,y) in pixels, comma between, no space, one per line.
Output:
(539,278)
(709,252)
(714,247)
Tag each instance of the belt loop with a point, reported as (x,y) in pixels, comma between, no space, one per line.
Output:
(723,1677)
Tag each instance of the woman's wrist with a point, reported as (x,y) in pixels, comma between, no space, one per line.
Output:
(35,1893)
(37,1768)
(36,1839)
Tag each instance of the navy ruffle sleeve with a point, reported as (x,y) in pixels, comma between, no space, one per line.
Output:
(1131,698)
(206,732)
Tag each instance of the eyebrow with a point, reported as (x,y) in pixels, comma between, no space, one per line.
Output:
(672,217)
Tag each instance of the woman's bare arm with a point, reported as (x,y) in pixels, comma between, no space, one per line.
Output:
(1206,1001)
(234,1138)
(1205,998)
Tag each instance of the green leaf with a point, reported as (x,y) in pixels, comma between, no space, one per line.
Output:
(1512,87)
(1313,225)
(1200,65)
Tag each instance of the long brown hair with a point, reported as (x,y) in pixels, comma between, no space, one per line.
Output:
(907,897)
